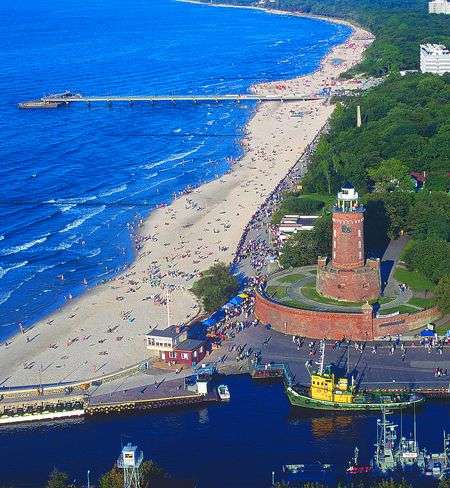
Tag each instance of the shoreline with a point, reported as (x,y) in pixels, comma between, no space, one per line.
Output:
(103,329)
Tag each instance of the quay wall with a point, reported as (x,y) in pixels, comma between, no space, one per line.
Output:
(359,326)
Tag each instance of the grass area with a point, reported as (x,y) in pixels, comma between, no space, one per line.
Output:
(292,278)
(407,247)
(313,272)
(442,329)
(421,302)
(326,199)
(277,292)
(413,279)
(296,304)
(309,291)
(383,300)
(399,308)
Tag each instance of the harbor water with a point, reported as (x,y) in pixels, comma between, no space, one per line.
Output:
(71,178)
(232,445)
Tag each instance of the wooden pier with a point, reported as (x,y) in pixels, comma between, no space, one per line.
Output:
(54,101)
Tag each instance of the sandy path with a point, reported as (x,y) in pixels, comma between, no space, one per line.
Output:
(104,329)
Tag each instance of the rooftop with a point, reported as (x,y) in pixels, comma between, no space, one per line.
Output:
(171,331)
(189,345)
(437,49)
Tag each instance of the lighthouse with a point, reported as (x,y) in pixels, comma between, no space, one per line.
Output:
(348,276)
(348,230)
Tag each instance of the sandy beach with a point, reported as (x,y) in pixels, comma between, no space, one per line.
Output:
(104,329)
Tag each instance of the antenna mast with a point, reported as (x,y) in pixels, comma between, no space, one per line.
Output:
(322,357)
(168,308)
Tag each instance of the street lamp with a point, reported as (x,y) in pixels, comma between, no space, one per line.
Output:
(88,481)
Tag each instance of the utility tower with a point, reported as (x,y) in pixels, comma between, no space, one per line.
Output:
(130,461)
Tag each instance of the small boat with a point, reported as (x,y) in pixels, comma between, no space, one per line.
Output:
(223,392)
(327,391)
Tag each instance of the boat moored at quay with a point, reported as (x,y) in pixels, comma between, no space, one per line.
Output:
(328,391)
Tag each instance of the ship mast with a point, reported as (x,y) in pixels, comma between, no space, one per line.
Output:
(322,357)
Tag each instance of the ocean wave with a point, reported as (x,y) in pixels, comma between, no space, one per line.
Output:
(118,189)
(88,215)
(6,296)
(173,157)
(94,253)
(4,271)
(46,267)
(74,200)
(22,247)
(151,175)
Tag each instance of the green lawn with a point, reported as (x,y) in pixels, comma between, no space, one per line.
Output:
(442,329)
(277,292)
(326,199)
(413,279)
(383,300)
(292,278)
(309,291)
(421,302)
(296,304)
(399,308)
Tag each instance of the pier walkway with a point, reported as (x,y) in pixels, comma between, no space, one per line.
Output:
(53,101)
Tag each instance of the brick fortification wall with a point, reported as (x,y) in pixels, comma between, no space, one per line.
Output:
(355,285)
(337,325)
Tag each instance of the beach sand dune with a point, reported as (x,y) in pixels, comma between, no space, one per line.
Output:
(104,329)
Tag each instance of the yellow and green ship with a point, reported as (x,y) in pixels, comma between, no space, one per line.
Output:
(329,392)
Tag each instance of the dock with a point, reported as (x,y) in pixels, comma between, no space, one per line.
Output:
(67,98)
(162,395)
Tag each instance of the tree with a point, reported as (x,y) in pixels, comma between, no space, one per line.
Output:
(397,206)
(430,257)
(150,472)
(390,175)
(442,294)
(299,250)
(216,286)
(430,216)
(112,479)
(57,479)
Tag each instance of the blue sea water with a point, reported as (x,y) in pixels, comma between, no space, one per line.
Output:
(74,180)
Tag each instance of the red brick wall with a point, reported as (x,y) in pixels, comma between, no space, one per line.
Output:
(348,247)
(402,323)
(349,285)
(337,325)
(310,323)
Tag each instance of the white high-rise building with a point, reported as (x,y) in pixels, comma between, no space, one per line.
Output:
(434,58)
(439,7)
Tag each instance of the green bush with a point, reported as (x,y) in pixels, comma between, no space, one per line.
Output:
(293,204)
(303,248)
(216,286)
(430,257)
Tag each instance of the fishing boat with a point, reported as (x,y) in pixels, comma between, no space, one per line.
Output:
(223,392)
(328,391)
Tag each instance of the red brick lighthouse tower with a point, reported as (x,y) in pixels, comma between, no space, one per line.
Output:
(348,276)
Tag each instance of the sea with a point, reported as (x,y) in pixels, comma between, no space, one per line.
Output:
(74,181)
(234,445)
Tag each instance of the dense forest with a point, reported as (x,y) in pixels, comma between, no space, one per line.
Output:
(406,127)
